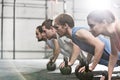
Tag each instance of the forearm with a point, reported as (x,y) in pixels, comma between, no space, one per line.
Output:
(95,61)
(112,61)
(55,55)
(74,55)
(73,59)
(56,50)
(97,56)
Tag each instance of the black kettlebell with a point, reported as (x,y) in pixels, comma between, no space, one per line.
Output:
(66,70)
(87,74)
(105,73)
(51,66)
(81,64)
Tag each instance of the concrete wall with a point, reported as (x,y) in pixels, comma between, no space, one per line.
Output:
(32,13)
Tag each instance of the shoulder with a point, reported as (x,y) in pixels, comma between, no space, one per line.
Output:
(82,32)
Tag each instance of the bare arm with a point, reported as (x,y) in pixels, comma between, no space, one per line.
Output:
(75,54)
(90,39)
(56,50)
(112,60)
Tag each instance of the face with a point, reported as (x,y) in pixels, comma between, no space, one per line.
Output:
(50,33)
(40,36)
(44,36)
(96,28)
(61,30)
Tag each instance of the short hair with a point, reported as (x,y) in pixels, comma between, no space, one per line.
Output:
(39,28)
(100,15)
(47,23)
(63,19)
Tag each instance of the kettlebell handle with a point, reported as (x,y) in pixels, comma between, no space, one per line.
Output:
(66,61)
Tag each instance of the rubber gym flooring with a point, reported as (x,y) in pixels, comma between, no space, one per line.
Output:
(36,70)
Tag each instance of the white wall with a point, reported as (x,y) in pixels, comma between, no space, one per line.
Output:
(30,14)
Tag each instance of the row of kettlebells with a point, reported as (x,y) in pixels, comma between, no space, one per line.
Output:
(66,70)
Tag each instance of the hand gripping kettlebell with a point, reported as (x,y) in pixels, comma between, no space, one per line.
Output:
(66,70)
(87,74)
(51,66)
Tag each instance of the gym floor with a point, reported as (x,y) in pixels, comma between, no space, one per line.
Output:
(36,70)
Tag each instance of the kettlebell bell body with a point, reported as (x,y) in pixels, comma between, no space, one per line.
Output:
(86,75)
(51,66)
(66,70)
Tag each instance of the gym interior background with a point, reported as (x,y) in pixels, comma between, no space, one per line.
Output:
(22,57)
(19,19)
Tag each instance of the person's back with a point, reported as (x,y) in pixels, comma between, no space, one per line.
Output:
(65,51)
(65,44)
(81,43)
(88,48)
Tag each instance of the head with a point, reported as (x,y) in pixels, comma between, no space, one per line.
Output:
(40,35)
(99,20)
(62,22)
(49,29)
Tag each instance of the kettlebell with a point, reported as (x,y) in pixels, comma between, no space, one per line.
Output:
(51,66)
(66,70)
(105,73)
(87,74)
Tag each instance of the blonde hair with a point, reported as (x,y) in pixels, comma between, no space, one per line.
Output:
(100,15)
